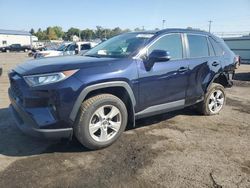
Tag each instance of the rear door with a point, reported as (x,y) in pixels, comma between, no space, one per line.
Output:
(203,65)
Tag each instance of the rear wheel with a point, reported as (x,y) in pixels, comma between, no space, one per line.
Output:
(214,100)
(101,120)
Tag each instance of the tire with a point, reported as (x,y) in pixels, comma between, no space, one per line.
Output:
(89,119)
(212,101)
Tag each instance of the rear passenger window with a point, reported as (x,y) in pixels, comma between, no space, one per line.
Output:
(171,43)
(218,50)
(197,46)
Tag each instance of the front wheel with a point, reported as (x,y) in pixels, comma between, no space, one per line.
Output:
(100,121)
(214,100)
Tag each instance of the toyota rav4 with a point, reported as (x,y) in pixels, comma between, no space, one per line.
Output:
(130,76)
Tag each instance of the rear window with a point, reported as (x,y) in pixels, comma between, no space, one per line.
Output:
(198,46)
(217,48)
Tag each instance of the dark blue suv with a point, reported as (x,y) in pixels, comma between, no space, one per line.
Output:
(127,77)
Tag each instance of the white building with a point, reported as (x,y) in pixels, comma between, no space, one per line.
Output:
(8,37)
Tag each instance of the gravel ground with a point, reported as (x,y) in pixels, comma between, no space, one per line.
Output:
(177,149)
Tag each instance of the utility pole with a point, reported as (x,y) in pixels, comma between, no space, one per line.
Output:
(210,23)
(163,24)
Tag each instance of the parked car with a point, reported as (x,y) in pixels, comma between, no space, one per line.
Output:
(79,48)
(51,52)
(130,76)
(15,48)
(67,49)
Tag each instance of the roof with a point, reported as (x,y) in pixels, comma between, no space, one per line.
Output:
(14,32)
(173,30)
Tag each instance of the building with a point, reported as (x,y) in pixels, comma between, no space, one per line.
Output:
(8,37)
(240,46)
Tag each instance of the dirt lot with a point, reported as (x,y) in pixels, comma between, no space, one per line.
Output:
(179,149)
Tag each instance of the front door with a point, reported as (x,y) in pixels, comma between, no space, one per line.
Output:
(164,86)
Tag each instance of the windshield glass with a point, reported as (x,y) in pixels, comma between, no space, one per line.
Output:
(120,46)
(61,47)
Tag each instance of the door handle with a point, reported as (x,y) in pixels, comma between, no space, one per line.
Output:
(183,69)
(215,64)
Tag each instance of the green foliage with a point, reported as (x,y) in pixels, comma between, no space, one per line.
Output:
(59,32)
(41,35)
(51,34)
(32,31)
(56,32)
(87,34)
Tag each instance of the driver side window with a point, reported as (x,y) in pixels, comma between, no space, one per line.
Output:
(171,43)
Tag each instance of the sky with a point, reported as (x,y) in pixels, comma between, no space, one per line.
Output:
(227,15)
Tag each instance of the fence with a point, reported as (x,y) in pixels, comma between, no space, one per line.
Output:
(240,46)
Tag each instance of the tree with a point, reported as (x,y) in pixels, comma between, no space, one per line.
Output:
(99,32)
(41,35)
(32,31)
(87,34)
(138,29)
(126,30)
(59,32)
(116,31)
(51,34)
(71,32)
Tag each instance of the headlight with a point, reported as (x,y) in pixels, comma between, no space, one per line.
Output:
(43,79)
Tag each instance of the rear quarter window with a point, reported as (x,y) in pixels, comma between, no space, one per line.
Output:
(217,48)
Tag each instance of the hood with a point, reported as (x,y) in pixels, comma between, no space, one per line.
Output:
(57,64)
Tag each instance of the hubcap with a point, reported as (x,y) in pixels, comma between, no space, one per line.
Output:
(105,123)
(216,101)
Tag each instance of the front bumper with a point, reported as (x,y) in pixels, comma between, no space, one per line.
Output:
(26,124)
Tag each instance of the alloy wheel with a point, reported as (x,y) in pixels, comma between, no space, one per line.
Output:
(105,123)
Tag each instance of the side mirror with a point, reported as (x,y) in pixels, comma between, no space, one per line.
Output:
(159,56)
(156,56)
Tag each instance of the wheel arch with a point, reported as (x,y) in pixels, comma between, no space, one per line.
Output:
(116,88)
(219,78)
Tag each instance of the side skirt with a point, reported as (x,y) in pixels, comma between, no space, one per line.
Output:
(161,108)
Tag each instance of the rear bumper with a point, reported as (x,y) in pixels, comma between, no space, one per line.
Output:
(26,124)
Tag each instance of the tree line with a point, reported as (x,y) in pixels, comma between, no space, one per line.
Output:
(56,33)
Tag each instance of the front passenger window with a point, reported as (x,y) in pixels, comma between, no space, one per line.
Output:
(171,43)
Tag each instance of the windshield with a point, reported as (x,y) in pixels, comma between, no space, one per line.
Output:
(120,46)
(61,47)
